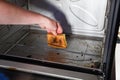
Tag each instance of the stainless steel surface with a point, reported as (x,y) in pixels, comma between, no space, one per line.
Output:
(10,35)
(79,51)
(85,17)
(20,75)
(53,72)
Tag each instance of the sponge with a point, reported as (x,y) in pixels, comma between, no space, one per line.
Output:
(58,41)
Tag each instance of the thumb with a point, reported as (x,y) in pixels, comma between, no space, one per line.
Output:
(54,33)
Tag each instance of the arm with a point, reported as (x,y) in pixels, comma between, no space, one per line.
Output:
(12,14)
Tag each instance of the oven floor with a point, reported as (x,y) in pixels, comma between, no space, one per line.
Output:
(81,51)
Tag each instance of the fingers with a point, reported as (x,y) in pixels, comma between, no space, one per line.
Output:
(59,28)
(48,30)
(54,33)
(51,26)
(52,30)
(55,29)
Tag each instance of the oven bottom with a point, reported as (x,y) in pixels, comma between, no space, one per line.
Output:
(81,51)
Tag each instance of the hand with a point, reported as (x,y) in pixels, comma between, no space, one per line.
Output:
(19,15)
(50,25)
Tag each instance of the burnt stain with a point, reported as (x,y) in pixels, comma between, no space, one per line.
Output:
(55,57)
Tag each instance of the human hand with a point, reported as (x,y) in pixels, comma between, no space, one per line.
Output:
(50,25)
(22,16)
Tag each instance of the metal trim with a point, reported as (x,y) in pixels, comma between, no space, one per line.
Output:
(111,37)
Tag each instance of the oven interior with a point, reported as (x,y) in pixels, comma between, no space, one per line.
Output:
(28,43)
(84,23)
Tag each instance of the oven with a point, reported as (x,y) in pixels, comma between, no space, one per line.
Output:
(91,28)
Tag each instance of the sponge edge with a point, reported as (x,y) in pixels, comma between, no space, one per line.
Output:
(58,41)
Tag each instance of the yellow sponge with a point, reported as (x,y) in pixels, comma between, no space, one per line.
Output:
(58,41)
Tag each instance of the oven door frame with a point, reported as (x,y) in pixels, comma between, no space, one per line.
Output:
(111,38)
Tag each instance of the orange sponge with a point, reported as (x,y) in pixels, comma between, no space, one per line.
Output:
(58,41)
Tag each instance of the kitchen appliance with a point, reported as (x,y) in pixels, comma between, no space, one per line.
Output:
(91,29)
